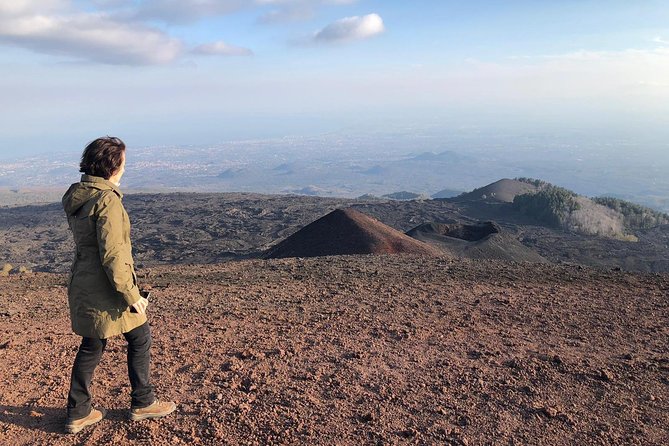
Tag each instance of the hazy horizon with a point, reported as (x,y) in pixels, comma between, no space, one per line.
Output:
(157,72)
(423,161)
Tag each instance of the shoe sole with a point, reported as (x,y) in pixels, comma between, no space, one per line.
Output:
(145,416)
(70,429)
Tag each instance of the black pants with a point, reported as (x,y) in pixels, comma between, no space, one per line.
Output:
(88,357)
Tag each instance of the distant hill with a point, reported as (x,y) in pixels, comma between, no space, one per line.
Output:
(550,205)
(230,173)
(446,193)
(370,197)
(284,169)
(309,190)
(634,215)
(405,195)
(504,190)
(560,207)
(374,170)
(556,207)
(446,155)
(484,241)
(344,232)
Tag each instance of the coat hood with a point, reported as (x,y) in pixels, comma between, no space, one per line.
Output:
(79,193)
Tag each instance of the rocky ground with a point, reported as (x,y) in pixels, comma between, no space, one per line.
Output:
(351,350)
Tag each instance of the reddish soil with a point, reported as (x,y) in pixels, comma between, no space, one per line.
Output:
(346,232)
(352,350)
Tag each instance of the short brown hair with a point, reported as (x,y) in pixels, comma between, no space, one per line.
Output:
(102,157)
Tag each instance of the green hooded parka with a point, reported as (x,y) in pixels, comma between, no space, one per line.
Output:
(103,283)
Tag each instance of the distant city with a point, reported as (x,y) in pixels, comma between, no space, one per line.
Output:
(425,163)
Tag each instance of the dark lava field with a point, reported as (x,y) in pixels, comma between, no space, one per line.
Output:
(185,228)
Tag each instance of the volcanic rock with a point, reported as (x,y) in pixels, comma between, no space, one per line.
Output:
(347,232)
(6,269)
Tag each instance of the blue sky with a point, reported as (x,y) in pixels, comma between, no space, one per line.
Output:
(205,71)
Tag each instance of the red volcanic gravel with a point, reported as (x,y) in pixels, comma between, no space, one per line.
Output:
(357,350)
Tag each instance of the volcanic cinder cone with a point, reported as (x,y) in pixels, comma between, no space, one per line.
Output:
(347,231)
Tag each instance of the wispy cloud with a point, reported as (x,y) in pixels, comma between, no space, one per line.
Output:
(221,48)
(660,40)
(88,36)
(112,35)
(137,32)
(20,7)
(351,28)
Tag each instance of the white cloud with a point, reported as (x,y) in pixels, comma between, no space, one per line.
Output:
(351,28)
(129,32)
(89,36)
(55,27)
(222,49)
(20,7)
(661,41)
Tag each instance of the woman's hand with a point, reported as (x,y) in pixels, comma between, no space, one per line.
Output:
(140,305)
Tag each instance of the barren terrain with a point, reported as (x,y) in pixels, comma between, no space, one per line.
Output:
(212,228)
(351,350)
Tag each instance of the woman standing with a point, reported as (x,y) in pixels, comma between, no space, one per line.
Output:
(103,295)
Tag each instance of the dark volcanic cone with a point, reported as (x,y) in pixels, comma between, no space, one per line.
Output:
(344,232)
(485,240)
